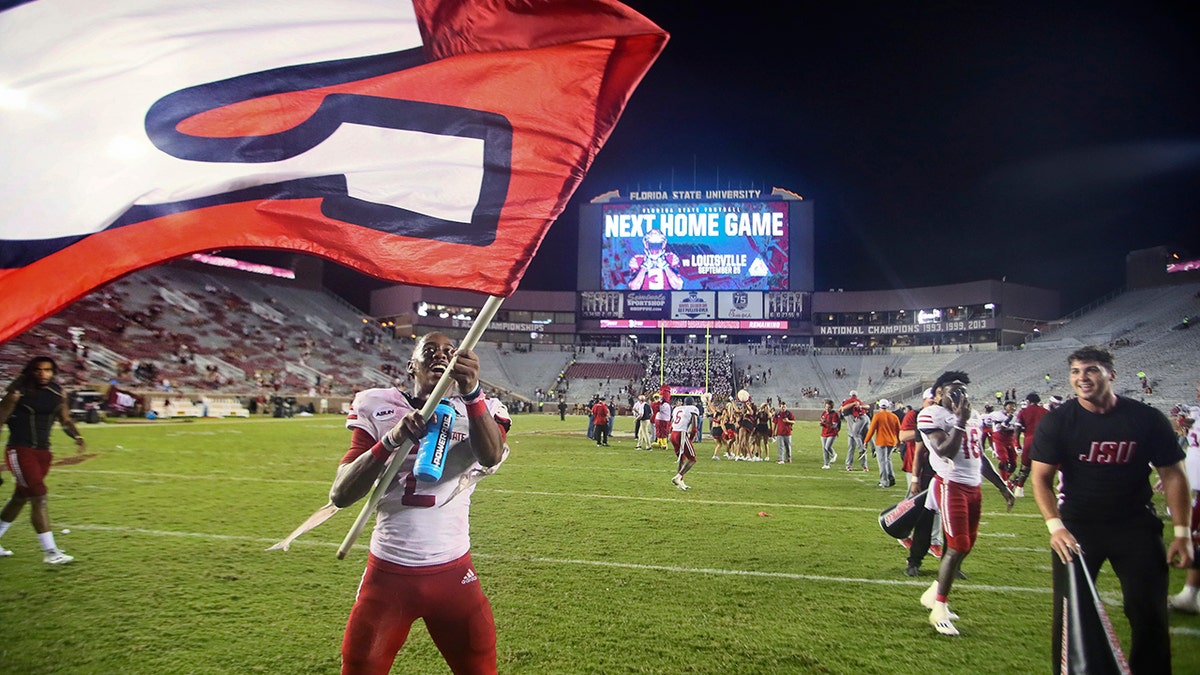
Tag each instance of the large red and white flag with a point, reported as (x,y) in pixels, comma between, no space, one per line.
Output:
(425,142)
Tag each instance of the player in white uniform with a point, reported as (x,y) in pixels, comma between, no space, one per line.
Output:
(685,423)
(1003,424)
(953,436)
(420,564)
(1188,600)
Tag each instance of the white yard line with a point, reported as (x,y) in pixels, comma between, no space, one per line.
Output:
(674,569)
(179,476)
(538,493)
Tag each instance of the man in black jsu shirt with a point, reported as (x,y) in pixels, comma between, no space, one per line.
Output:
(30,407)
(1104,445)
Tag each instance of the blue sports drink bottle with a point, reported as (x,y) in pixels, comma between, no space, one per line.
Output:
(431,456)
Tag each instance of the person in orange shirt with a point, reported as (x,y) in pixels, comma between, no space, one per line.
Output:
(885,429)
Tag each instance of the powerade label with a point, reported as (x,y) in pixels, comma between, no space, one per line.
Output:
(443,439)
(431,457)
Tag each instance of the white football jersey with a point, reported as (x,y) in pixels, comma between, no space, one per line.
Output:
(684,418)
(411,526)
(966,467)
(1192,461)
(1000,420)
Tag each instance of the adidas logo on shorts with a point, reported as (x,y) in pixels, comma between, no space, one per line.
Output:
(469,577)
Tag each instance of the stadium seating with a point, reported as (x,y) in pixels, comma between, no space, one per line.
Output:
(239,337)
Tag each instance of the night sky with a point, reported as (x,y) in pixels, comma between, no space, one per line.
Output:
(938,142)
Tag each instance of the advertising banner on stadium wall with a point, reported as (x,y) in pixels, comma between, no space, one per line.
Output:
(601,304)
(647,305)
(910,328)
(635,324)
(694,305)
(786,305)
(740,305)
(695,246)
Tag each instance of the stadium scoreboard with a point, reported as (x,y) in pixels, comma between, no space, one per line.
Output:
(743,258)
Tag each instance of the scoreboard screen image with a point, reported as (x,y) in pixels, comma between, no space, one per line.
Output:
(712,246)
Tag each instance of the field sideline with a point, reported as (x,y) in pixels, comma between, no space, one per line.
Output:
(593,561)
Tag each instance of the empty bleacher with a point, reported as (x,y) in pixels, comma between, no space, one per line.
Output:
(245,337)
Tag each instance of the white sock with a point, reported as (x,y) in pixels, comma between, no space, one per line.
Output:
(4,525)
(1190,591)
(46,539)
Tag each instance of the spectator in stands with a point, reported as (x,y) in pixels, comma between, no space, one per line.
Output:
(31,405)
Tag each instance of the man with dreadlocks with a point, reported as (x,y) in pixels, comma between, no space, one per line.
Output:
(33,403)
(952,434)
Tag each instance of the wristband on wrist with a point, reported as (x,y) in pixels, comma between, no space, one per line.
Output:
(1054,525)
(389,444)
(477,408)
(962,429)
(1181,532)
(380,451)
(475,394)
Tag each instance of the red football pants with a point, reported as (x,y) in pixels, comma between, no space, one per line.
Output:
(457,615)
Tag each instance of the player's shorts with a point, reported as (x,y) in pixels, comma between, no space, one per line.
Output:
(448,597)
(1006,454)
(683,445)
(960,506)
(29,467)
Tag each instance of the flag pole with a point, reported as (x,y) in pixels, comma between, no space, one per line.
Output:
(486,313)
(662,354)
(707,337)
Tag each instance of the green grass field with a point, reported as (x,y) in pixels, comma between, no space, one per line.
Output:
(593,561)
